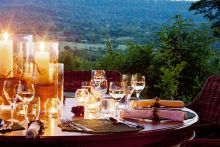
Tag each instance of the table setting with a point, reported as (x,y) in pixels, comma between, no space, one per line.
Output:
(95,111)
(33,107)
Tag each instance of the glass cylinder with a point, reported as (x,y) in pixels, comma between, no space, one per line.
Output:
(60,81)
(6,52)
(18,52)
(27,63)
(46,71)
(92,107)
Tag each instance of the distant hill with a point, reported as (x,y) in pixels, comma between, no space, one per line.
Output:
(90,21)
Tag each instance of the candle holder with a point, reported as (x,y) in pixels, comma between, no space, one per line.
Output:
(21,52)
(52,107)
(46,71)
(60,81)
(82,96)
(6,52)
(13,56)
(92,108)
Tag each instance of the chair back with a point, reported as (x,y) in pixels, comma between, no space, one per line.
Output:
(73,79)
(207,102)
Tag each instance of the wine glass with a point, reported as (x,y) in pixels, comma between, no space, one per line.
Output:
(26,94)
(116,90)
(10,88)
(34,109)
(98,81)
(126,80)
(138,83)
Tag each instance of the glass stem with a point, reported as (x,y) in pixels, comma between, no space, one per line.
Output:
(138,94)
(116,109)
(25,112)
(128,98)
(12,114)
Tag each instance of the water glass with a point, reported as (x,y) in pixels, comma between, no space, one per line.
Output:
(107,107)
(117,91)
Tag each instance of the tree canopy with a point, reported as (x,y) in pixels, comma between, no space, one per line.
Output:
(210,9)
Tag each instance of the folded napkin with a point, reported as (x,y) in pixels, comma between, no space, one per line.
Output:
(175,115)
(156,102)
(136,114)
(142,103)
(171,103)
(5,126)
(35,128)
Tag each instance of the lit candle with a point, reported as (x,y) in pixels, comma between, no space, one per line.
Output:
(81,100)
(92,107)
(53,112)
(6,53)
(42,59)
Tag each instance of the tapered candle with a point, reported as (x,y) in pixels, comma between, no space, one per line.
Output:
(42,60)
(6,53)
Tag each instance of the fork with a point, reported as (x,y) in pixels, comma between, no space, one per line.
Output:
(68,122)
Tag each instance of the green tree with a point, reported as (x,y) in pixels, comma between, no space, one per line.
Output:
(67,58)
(210,10)
(182,41)
(72,62)
(112,61)
(169,83)
(138,59)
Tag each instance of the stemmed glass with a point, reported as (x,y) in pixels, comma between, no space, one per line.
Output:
(98,81)
(10,88)
(26,94)
(126,80)
(138,83)
(117,91)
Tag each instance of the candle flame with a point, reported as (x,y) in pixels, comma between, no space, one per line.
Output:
(5,36)
(42,46)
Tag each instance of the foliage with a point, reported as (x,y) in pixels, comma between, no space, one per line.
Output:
(182,41)
(138,59)
(175,66)
(112,61)
(169,80)
(67,58)
(73,62)
(211,10)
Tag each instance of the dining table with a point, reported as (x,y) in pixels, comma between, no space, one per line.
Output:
(155,133)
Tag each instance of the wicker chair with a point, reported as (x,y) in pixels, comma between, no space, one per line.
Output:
(207,106)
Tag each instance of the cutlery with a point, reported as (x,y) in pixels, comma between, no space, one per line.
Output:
(128,123)
(68,122)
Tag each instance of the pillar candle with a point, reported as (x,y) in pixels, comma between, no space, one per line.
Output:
(6,60)
(42,60)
